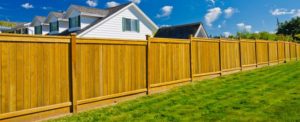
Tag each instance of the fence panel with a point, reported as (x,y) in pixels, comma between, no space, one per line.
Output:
(205,57)
(248,53)
(293,51)
(106,68)
(287,51)
(262,52)
(298,51)
(34,75)
(230,55)
(273,52)
(281,51)
(170,61)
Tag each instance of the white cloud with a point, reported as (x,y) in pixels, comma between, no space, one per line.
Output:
(219,26)
(46,8)
(112,4)
(27,5)
(212,15)
(283,11)
(227,34)
(297,14)
(229,12)
(166,11)
(135,1)
(92,3)
(256,32)
(244,27)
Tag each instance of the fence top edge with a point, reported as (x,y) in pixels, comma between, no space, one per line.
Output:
(34,36)
(110,39)
(170,39)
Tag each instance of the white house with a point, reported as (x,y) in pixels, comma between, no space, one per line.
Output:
(57,22)
(21,28)
(40,27)
(125,21)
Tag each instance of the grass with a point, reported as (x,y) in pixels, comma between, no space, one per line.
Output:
(267,94)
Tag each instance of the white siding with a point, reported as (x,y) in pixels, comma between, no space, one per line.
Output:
(113,27)
(84,20)
(30,30)
(63,25)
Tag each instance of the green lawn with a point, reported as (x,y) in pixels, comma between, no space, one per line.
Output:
(267,94)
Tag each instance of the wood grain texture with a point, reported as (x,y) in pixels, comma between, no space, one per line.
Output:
(42,76)
(170,60)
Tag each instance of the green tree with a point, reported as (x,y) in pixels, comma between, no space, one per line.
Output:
(290,28)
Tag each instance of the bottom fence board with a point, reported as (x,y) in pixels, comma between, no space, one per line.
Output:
(38,116)
(110,101)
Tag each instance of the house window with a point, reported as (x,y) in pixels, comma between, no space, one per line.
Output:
(38,30)
(131,25)
(74,22)
(25,31)
(54,26)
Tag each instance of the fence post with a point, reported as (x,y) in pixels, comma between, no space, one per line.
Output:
(148,37)
(278,60)
(268,46)
(256,56)
(290,51)
(220,56)
(191,58)
(296,48)
(284,52)
(73,71)
(241,58)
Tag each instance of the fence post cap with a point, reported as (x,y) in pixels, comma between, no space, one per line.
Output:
(73,34)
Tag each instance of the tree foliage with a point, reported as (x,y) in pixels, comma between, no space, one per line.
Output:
(290,28)
(7,24)
(262,35)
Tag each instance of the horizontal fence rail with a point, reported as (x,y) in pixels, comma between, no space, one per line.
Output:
(48,76)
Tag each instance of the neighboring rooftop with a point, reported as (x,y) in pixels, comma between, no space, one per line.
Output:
(110,11)
(90,10)
(40,18)
(57,14)
(178,31)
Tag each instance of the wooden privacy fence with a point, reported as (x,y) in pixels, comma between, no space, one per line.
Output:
(47,76)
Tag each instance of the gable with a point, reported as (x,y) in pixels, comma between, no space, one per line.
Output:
(133,12)
(201,32)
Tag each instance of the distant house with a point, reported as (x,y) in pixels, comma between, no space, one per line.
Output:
(125,21)
(40,27)
(4,28)
(22,28)
(182,31)
(57,22)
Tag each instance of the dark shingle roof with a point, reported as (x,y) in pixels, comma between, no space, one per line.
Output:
(111,11)
(40,18)
(90,10)
(179,31)
(58,14)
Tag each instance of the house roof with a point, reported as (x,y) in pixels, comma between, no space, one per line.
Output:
(40,18)
(58,15)
(110,11)
(89,10)
(179,31)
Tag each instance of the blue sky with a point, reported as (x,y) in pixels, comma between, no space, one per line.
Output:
(218,16)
